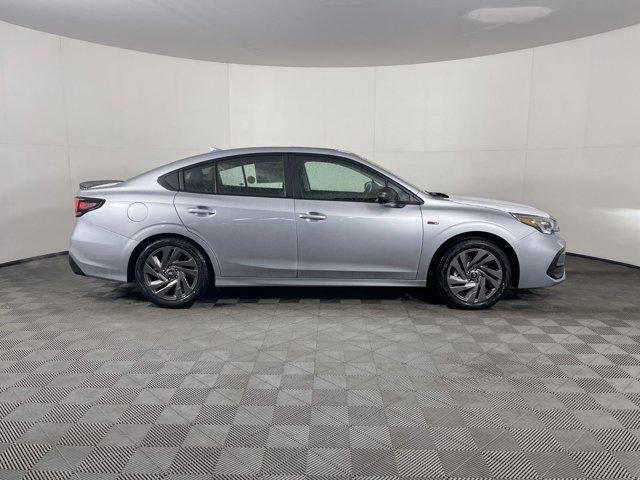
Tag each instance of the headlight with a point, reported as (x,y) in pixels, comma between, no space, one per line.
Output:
(547,225)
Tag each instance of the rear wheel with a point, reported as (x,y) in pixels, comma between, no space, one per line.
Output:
(473,274)
(171,272)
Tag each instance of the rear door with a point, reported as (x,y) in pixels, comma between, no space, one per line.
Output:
(243,208)
(343,232)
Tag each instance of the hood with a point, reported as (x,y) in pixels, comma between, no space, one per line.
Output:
(502,205)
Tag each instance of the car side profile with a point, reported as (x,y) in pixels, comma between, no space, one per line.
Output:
(305,216)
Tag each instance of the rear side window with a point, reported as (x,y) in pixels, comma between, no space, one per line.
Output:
(261,176)
(200,179)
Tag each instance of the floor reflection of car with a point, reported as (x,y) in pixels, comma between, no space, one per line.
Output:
(305,216)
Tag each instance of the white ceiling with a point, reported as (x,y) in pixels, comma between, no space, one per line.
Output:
(322,32)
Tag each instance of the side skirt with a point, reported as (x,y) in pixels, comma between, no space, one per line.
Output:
(315,282)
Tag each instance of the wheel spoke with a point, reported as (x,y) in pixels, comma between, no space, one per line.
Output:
(189,263)
(188,273)
(488,260)
(149,270)
(462,288)
(175,254)
(462,258)
(478,259)
(494,282)
(166,288)
(482,293)
(472,294)
(155,263)
(459,267)
(179,292)
(157,284)
(491,271)
(166,254)
(456,280)
(186,288)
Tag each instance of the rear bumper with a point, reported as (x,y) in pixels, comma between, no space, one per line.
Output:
(74,267)
(97,252)
(540,257)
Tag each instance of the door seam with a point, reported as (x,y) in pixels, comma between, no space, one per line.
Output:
(295,222)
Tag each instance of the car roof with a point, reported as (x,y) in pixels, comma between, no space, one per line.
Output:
(222,153)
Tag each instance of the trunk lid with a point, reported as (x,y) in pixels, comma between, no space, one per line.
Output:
(88,185)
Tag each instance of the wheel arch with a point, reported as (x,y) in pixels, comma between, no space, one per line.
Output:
(498,240)
(131,265)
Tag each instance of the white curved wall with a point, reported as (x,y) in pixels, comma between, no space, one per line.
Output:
(555,126)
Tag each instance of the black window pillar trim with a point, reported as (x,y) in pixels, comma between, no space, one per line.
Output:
(290,181)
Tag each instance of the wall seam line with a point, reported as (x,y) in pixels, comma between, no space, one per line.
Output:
(587,115)
(528,131)
(3,103)
(228,105)
(177,147)
(65,115)
(374,150)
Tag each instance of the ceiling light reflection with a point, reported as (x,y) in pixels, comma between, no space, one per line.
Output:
(504,15)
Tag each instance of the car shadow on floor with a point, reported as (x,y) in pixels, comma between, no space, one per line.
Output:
(255,294)
(323,294)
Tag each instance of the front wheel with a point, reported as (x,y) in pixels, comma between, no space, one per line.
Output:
(171,272)
(473,274)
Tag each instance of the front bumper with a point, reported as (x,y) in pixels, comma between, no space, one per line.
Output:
(556,268)
(97,252)
(540,257)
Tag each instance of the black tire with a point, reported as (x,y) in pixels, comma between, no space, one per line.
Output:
(489,285)
(184,251)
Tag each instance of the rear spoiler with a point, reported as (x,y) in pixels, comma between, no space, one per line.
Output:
(97,183)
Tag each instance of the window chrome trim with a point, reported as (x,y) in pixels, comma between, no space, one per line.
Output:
(291,183)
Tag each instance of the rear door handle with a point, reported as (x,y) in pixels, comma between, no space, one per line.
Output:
(201,211)
(313,216)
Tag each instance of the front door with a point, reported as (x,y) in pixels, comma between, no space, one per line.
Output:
(343,232)
(239,205)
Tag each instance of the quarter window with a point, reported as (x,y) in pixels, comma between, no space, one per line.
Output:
(256,175)
(200,179)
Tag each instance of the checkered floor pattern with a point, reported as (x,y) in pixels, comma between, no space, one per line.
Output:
(318,383)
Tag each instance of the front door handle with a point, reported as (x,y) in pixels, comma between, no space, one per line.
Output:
(201,211)
(313,216)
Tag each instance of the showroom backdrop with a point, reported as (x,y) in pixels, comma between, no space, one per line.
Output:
(555,126)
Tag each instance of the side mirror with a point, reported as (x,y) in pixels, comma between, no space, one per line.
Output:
(387,195)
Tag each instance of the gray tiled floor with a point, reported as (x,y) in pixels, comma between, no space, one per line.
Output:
(306,383)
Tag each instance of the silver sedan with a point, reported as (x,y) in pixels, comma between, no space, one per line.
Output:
(305,216)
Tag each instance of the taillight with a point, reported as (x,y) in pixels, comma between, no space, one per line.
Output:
(84,205)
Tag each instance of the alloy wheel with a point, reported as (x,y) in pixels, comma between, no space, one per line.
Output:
(474,275)
(170,273)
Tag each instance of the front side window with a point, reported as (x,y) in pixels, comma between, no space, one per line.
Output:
(332,179)
(200,179)
(254,175)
